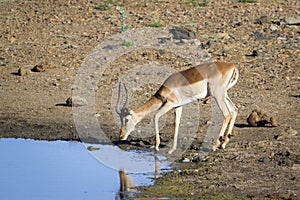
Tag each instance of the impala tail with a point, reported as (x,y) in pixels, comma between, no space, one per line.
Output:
(234,78)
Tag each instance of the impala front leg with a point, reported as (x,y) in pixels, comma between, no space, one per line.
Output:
(165,108)
(157,138)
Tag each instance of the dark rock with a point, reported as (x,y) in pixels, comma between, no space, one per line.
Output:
(256,53)
(182,33)
(210,44)
(92,148)
(262,20)
(238,24)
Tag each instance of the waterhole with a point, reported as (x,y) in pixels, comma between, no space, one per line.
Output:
(31,169)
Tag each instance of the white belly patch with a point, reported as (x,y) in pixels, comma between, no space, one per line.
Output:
(188,94)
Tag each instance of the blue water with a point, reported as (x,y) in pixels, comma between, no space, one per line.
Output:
(57,170)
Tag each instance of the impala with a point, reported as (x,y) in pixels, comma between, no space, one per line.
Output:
(209,79)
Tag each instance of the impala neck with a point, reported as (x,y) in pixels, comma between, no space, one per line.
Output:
(153,104)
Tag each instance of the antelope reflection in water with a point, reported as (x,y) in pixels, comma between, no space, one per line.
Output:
(128,186)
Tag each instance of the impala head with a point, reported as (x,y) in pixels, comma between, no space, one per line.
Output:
(128,125)
(126,116)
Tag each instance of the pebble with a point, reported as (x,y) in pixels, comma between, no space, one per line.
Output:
(208,122)
(262,20)
(293,20)
(93,148)
(22,71)
(186,160)
(76,101)
(239,24)
(273,28)
(281,38)
(256,53)
(40,67)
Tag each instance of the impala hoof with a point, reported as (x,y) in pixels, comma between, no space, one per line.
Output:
(223,146)
(215,148)
(171,151)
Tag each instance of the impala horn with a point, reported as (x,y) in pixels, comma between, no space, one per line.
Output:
(122,112)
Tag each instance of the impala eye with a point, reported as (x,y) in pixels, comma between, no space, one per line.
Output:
(126,121)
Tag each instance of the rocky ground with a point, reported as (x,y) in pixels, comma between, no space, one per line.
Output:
(43,45)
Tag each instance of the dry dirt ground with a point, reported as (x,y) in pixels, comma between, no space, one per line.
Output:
(258,163)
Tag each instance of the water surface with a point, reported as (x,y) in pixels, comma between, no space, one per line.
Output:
(41,170)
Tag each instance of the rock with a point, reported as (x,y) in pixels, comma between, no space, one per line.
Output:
(293,20)
(182,33)
(185,160)
(22,71)
(208,123)
(281,38)
(40,67)
(93,148)
(273,122)
(76,101)
(262,20)
(69,101)
(210,44)
(273,28)
(258,118)
(256,53)
(238,24)
(253,118)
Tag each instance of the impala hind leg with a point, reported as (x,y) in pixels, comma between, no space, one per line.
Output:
(164,109)
(227,117)
(178,112)
(233,109)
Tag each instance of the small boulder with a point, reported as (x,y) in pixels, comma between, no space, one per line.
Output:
(259,119)
(253,118)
